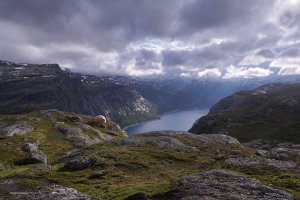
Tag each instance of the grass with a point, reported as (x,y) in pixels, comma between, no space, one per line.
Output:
(128,170)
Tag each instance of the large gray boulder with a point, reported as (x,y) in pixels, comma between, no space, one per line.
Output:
(76,137)
(34,157)
(48,192)
(14,128)
(221,184)
(79,162)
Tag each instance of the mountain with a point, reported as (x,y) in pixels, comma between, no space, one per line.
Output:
(219,88)
(48,86)
(269,112)
(167,97)
(51,154)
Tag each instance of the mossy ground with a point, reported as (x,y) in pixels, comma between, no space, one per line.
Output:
(128,169)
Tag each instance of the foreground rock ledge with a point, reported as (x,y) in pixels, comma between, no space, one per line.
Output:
(221,184)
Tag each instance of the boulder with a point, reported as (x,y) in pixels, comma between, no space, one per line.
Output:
(98,174)
(221,184)
(79,163)
(14,128)
(48,192)
(74,118)
(30,147)
(35,157)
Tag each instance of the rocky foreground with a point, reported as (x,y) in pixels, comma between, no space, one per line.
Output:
(49,154)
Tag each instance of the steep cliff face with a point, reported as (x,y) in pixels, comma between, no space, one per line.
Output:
(48,86)
(267,112)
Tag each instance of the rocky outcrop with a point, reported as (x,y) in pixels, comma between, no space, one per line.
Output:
(284,166)
(14,128)
(76,137)
(220,184)
(48,192)
(207,138)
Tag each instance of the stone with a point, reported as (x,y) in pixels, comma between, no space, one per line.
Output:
(41,167)
(35,157)
(279,164)
(14,128)
(79,163)
(30,147)
(221,184)
(74,118)
(98,174)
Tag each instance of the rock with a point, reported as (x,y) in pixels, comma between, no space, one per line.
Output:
(220,184)
(128,142)
(35,157)
(164,142)
(213,138)
(67,129)
(48,192)
(29,147)
(76,137)
(278,152)
(74,118)
(103,136)
(114,127)
(280,165)
(261,152)
(79,163)
(102,125)
(38,157)
(113,133)
(41,168)
(14,128)
(98,174)
(4,167)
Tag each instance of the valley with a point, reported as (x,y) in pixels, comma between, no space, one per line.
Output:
(246,147)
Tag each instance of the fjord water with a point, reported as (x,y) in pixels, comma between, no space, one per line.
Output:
(178,120)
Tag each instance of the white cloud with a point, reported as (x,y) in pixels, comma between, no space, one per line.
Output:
(235,72)
(289,70)
(209,73)
(253,60)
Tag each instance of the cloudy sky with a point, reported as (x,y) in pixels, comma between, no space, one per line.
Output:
(188,38)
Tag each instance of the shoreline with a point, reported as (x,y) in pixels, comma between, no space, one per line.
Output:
(163,114)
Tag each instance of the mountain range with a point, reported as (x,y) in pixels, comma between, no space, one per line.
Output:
(48,86)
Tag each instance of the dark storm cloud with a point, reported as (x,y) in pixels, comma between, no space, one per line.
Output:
(267,53)
(160,37)
(196,58)
(145,58)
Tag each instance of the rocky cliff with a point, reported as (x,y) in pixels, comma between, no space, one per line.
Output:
(50,87)
(270,112)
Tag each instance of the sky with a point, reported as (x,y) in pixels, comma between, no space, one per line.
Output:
(205,39)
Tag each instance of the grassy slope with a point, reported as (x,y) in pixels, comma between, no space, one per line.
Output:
(128,170)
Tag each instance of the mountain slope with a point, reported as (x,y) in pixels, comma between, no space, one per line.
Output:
(50,87)
(269,112)
(50,154)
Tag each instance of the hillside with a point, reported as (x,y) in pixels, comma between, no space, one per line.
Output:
(165,95)
(50,154)
(50,87)
(269,112)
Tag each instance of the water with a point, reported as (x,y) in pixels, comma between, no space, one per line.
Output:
(178,121)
